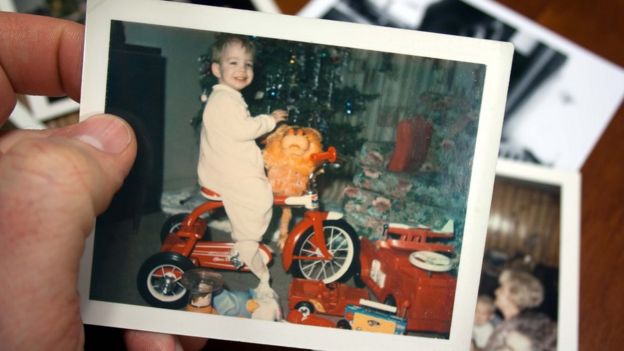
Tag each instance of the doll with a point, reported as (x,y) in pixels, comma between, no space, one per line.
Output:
(288,163)
(246,304)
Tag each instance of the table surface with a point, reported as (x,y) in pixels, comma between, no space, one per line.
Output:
(597,26)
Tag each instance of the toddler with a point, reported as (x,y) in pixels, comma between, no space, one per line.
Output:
(230,162)
(484,321)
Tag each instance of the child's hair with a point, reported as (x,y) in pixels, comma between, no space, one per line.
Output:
(224,39)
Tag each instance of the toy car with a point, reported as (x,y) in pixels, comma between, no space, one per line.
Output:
(310,296)
(373,317)
(405,270)
(295,316)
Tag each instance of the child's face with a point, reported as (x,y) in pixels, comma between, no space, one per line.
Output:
(235,68)
(483,313)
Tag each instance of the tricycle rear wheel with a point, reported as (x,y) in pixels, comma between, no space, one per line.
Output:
(174,223)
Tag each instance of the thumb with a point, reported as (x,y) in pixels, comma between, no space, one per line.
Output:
(52,185)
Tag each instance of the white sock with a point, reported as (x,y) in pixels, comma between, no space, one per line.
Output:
(250,254)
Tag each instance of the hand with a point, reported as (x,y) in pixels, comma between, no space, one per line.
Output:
(279,115)
(52,185)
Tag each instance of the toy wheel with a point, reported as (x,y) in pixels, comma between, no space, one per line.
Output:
(343,324)
(305,308)
(342,243)
(431,261)
(172,225)
(159,277)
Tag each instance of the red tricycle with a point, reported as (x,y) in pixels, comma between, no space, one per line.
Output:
(321,246)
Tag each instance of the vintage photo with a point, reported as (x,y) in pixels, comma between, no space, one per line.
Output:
(268,6)
(342,203)
(528,294)
(43,108)
(554,83)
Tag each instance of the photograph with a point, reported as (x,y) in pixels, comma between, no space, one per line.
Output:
(295,187)
(20,118)
(529,289)
(268,6)
(555,85)
(44,108)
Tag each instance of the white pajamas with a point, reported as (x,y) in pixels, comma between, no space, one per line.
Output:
(231,164)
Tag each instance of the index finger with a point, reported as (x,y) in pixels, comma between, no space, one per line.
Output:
(38,56)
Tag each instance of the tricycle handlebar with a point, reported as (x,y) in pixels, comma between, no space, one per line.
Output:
(329,155)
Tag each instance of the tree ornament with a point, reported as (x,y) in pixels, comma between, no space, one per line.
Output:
(273,92)
(349,107)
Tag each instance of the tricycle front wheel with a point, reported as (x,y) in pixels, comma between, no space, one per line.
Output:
(159,278)
(342,243)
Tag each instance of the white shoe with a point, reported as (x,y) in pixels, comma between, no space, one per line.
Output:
(268,310)
(264,291)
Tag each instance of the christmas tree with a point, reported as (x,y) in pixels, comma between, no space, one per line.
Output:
(307,80)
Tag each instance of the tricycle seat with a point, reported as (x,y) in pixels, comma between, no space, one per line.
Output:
(210,194)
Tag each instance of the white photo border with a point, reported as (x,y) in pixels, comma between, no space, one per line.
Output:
(268,6)
(7,5)
(495,56)
(569,184)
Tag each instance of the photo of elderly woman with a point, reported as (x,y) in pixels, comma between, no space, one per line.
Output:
(522,327)
(518,302)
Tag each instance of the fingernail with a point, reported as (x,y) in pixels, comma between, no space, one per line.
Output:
(108,134)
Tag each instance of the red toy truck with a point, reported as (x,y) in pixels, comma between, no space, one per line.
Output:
(310,296)
(403,269)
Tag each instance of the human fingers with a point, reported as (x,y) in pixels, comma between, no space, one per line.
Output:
(279,115)
(51,188)
(39,56)
(142,340)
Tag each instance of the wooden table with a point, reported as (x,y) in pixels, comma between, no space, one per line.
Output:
(595,25)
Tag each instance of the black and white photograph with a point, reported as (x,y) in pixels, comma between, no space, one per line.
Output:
(553,116)
(268,6)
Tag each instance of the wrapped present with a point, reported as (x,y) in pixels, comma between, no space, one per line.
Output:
(413,136)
